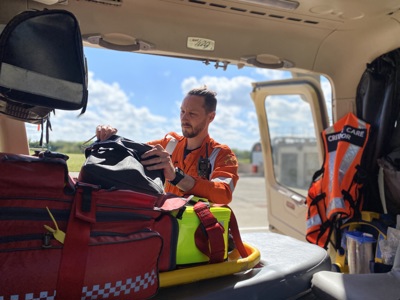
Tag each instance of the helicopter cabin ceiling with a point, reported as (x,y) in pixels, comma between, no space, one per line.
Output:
(302,34)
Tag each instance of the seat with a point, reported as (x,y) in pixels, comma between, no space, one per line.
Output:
(285,272)
(331,285)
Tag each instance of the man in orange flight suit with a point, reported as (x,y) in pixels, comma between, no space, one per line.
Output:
(193,164)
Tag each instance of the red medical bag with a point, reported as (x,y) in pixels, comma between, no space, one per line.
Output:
(110,250)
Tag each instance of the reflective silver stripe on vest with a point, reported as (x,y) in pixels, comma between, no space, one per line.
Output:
(338,202)
(351,152)
(335,203)
(31,82)
(313,221)
(331,163)
(171,144)
(345,164)
(330,171)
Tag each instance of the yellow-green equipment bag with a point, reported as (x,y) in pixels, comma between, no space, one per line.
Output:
(187,250)
(205,233)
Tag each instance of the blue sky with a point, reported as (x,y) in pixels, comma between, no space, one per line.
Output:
(141,95)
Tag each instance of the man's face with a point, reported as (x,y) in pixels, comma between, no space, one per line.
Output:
(194,118)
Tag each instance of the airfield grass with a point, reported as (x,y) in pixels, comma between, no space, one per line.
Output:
(75,161)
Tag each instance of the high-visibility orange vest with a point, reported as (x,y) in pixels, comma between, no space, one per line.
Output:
(220,184)
(334,193)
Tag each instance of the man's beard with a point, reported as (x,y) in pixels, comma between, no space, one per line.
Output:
(194,130)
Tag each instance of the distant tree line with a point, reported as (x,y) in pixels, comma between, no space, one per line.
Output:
(60,146)
(242,155)
(78,147)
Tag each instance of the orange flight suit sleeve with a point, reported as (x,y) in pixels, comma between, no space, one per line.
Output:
(161,142)
(223,179)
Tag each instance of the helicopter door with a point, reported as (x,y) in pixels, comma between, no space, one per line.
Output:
(291,115)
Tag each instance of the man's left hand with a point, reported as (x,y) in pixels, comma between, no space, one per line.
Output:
(161,160)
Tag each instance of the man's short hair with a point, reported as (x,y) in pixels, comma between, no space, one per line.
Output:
(210,101)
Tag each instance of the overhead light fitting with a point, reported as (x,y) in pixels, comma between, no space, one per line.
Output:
(52,2)
(282,4)
(267,61)
(108,2)
(116,41)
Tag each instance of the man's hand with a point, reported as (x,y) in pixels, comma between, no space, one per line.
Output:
(161,160)
(103,132)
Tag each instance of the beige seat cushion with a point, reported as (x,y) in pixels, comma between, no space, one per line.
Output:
(332,285)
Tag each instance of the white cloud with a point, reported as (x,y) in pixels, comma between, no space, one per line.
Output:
(108,104)
(234,123)
(233,91)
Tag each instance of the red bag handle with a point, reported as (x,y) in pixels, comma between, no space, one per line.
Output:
(234,230)
(214,245)
(71,273)
(215,250)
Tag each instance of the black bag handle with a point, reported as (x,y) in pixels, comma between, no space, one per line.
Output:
(135,149)
(117,148)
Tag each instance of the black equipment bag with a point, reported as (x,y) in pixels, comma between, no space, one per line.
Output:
(115,164)
(42,65)
(377,104)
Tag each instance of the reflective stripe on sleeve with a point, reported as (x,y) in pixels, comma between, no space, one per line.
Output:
(226,180)
(171,145)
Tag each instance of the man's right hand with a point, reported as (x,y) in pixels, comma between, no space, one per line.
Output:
(103,132)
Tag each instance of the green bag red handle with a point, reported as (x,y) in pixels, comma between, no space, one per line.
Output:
(213,246)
